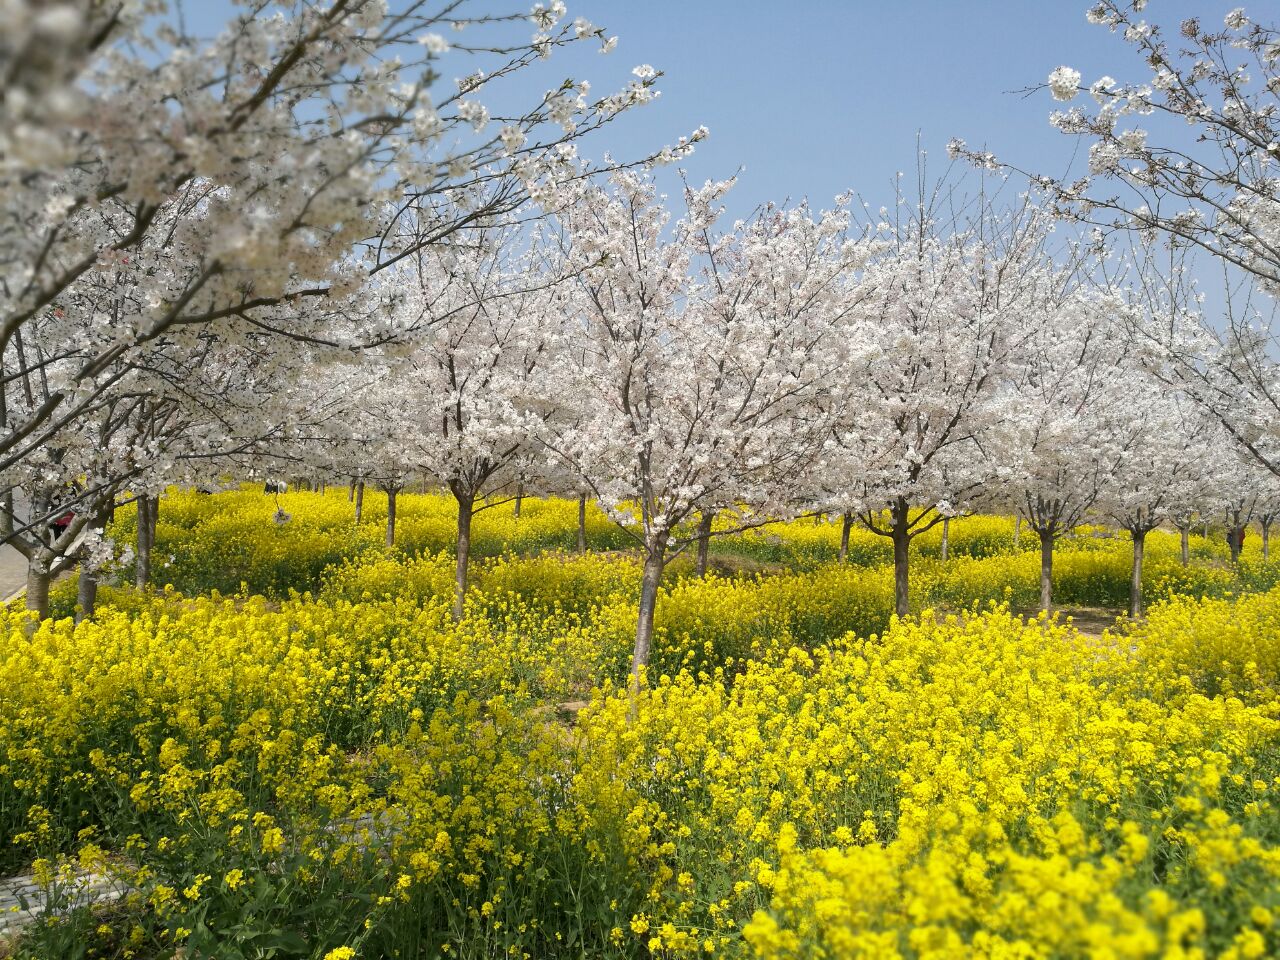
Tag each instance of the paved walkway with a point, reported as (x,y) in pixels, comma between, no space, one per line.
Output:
(22,900)
(13,572)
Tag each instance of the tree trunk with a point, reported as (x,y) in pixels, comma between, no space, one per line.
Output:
(1184,536)
(1135,577)
(1046,570)
(655,562)
(901,556)
(519,499)
(946,537)
(704,540)
(846,525)
(359,501)
(148,515)
(1235,540)
(141,549)
(1266,540)
(391,517)
(86,594)
(1017,533)
(38,578)
(582,523)
(351,491)
(466,508)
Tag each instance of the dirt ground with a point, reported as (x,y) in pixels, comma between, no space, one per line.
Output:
(1089,621)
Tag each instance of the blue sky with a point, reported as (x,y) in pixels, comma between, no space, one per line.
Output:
(816,97)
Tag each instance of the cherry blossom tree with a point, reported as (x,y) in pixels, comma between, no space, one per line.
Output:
(945,307)
(479,372)
(1268,510)
(275,165)
(1070,408)
(699,361)
(1188,152)
(1158,473)
(1214,189)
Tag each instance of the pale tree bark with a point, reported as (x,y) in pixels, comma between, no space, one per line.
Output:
(1235,541)
(1047,537)
(1135,579)
(901,570)
(148,516)
(519,500)
(87,587)
(359,495)
(392,492)
(86,594)
(38,579)
(704,540)
(901,530)
(654,564)
(946,537)
(582,523)
(466,510)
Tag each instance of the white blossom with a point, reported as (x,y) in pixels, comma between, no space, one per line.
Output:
(1064,83)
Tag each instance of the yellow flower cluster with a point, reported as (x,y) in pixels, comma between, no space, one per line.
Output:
(977,788)
(220,541)
(344,772)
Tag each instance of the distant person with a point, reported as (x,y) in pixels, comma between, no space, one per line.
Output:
(60,523)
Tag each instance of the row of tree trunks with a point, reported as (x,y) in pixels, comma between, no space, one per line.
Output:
(1048,539)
